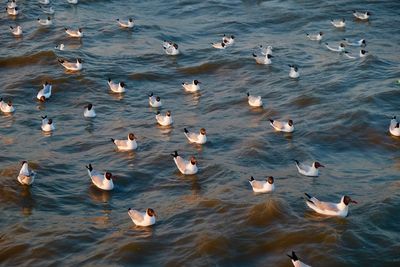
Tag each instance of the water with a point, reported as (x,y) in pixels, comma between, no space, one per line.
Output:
(341,109)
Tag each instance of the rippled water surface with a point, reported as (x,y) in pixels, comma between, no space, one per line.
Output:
(341,109)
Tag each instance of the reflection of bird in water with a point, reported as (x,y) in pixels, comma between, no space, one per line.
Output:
(100,196)
(27,202)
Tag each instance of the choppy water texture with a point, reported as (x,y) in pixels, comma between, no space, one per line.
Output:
(341,109)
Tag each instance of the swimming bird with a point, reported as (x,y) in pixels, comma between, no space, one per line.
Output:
(47,10)
(102,181)
(147,218)
(170,48)
(221,45)
(6,107)
(315,37)
(89,111)
(296,262)
(125,24)
(340,209)
(187,167)
(281,126)
(154,101)
(341,47)
(44,2)
(74,2)
(74,33)
(116,87)
(198,138)
(71,65)
(360,42)
(294,72)
(126,145)
(361,15)
(264,59)
(191,87)
(17,31)
(45,22)
(262,186)
(309,170)
(254,101)
(394,128)
(266,50)
(363,53)
(26,176)
(60,47)
(12,4)
(164,120)
(47,124)
(338,23)
(12,11)
(44,93)
(348,55)
(228,40)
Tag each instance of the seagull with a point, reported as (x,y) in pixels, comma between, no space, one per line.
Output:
(74,33)
(126,145)
(294,72)
(6,107)
(154,101)
(340,209)
(315,37)
(340,48)
(338,23)
(17,31)
(266,50)
(296,262)
(264,60)
(12,4)
(44,93)
(125,24)
(45,22)
(309,170)
(47,124)
(12,11)
(361,15)
(360,42)
(164,120)
(228,40)
(191,87)
(47,10)
(103,182)
(254,101)
(74,2)
(363,53)
(116,87)
(198,138)
(26,176)
(89,111)
(71,65)
(394,128)
(262,186)
(147,218)
(185,166)
(170,48)
(221,45)
(60,47)
(281,126)
(44,2)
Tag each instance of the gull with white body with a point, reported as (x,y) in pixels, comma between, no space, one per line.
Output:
(102,181)
(45,22)
(47,124)
(340,209)
(191,87)
(394,127)
(126,145)
(263,59)
(147,218)
(74,33)
(170,48)
(315,36)
(361,15)
(16,31)
(125,24)
(187,167)
(281,126)
(294,72)
(296,262)
(6,107)
(71,66)
(197,138)
(89,111)
(338,23)
(154,101)
(164,120)
(307,170)
(26,176)
(262,186)
(44,93)
(116,87)
(254,101)
(341,48)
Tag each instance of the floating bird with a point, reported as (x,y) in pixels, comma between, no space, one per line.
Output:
(164,120)
(360,42)
(12,11)
(147,218)
(26,176)
(266,50)
(12,4)
(228,40)
(294,72)
(185,166)
(296,262)
(17,31)
(254,101)
(341,47)
(89,111)
(60,47)
(309,170)
(45,22)
(154,101)
(170,48)
(126,145)
(363,53)
(198,138)
(44,93)
(74,2)
(262,186)
(221,45)
(44,2)
(315,37)
(281,126)
(103,182)
(340,209)
(74,33)
(125,24)
(394,127)
(6,107)
(191,87)
(116,87)
(338,23)
(47,124)
(71,65)
(361,15)
(264,60)
(47,10)
(348,55)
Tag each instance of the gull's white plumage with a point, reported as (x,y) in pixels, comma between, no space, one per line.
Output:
(146,218)
(45,22)
(254,101)
(74,33)
(72,66)
(341,48)
(164,120)
(340,209)
(187,167)
(338,23)
(315,36)
(263,59)
(6,107)
(26,176)
(89,111)
(44,93)
(170,48)
(47,124)
(294,72)
(116,87)
(308,170)
(198,138)
(126,24)
(17,31)
(280,126)
(361,15)
(154,101)
(102,181)
(191,87)
(296,262)
(126,145)
(394,127)
(262,186)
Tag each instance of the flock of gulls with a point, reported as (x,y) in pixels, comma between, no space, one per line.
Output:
(104,181)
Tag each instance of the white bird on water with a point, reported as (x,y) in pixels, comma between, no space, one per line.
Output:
(126,24)
(164,120)
(361,15)
(60,47)
(394,127)
(44,93)
(341,47)
(228,40)
(47,124)
(254,101)
(17,31)
(198,138)
(126,145)
(220,45)
(295,260)
(191,87)
(45,22)
(340,209)
(26,176)
(147,218)
(281,126)
(309,170)
(89,111)
(360,42)
(74,33)
(262,186)
(12,4)
(72,66)
(116,87)
(315,37)
(187,167)
(6,107)
(264,59)
(361,54)
(266,50)
(294,72)
(154,101)
(102,181)
(170,48)
(12,11)
(338,23)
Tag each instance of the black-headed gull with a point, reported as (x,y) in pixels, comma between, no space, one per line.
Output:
(102,181)
(147,218)
(45,22)
(363,53)
(341,47)
(254,101)
(294,72)
(315,36)
(309,170)
(262,186)
(191,87)
(266,50)
(394,128)
(12,4)
(263,59)
(126,24)
(116,87)
(281,126)
(89,111)
(26,176)
(228,40)
(198,138)
(164,120)
(12,11)
(44,93)
(340,209)
(360,42)
(170,48)
(16,31)
(60,47)
(74,33)
(6,107)
(218,45)
(47,124)
(187,167)
(154,101)
(361,15)
(338,23)
(72,66)
(126,145)
(295,260)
